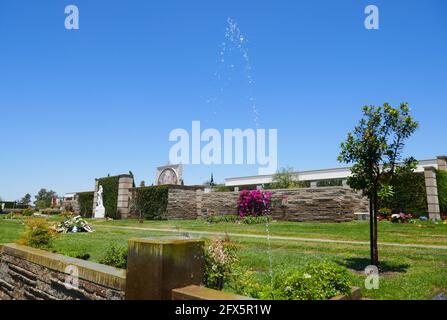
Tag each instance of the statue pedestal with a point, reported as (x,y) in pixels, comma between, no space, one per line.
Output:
(100,212)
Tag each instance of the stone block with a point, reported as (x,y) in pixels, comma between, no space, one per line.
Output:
(156,266)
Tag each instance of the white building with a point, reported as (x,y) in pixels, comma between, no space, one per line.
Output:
(314,175)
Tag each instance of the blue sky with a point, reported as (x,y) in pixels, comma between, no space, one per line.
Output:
(75,105)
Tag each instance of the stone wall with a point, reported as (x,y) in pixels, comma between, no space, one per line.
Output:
(318,204)
(31,274)
(182,204)
(156,268)
(305,204)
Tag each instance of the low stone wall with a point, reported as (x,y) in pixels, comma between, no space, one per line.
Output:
(156,268)
(31,274)
(304,204)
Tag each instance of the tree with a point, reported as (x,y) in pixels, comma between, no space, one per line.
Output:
(286,178)
(142,184)
(44,198)
(26,200)
(375,149)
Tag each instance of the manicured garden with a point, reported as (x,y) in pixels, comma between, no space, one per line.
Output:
(407,272)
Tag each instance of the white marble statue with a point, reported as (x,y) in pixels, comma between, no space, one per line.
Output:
(100,211)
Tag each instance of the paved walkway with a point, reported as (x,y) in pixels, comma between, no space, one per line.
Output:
(249,235)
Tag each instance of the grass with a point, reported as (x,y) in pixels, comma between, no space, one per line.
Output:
(409,273)
(419,233)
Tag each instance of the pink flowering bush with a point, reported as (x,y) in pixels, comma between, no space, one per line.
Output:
(253,203)
(220,257)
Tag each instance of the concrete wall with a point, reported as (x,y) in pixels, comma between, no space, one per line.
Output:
(125,183)
(31,274)
(431,187)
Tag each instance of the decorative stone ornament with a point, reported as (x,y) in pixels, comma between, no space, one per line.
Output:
(169,174)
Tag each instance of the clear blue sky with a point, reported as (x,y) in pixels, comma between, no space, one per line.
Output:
(76,105)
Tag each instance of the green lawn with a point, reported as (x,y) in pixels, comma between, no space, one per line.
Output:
(409,273)
(419,233)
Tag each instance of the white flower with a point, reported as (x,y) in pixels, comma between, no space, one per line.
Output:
(307,276)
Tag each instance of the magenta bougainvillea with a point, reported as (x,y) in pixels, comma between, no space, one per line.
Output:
(253,203)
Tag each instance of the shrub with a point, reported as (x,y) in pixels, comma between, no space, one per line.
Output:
(253,203)
(316,281)
(50,211)
(231,218)
(441,178)
(330,183)
(385,213)
(409,195)
(14,215)
(222,218)
(115,256)
(27,212)
(67,214)
(219,259)
(85,200)
(38,234)
(255,220)
(151,202)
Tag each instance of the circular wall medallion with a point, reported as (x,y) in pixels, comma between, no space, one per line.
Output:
(167,176)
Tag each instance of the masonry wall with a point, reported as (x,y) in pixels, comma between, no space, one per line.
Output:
(306,204)
(31,274)
(182,204)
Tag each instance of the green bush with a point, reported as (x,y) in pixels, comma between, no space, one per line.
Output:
(110,187)
(232,218)
(85,200)
(38,234)
(255,220)
(409,196)
(115,256)
(220,257)
(151,202)
(27,212)
(219,218)
(316,281)
(441,177)
(330,183)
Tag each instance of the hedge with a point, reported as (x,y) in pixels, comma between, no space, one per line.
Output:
(410,195)
(85,200)
(151,201)
(330,183)
(441,178)
(110,195)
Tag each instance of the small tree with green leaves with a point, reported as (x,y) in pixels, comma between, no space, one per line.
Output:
(26,200)
(44,197)
(286,178)
(375,149)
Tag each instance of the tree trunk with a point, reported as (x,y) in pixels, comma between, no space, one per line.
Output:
(375,258)
(371,229)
